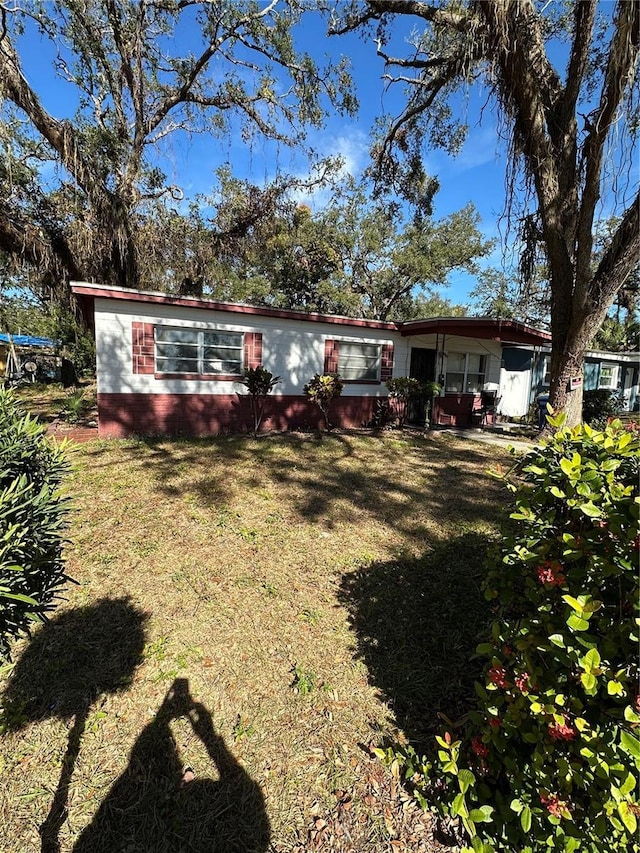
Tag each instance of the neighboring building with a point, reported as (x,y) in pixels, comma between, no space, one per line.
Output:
(525,375)
(173,365)
(28,357)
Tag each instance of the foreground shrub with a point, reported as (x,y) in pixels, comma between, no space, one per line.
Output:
(402,390)
(322,390)
(549,758)
(32,521)
(259,383)
(599,405)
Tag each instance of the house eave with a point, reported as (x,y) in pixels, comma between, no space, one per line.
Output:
(484,328)
(88,290)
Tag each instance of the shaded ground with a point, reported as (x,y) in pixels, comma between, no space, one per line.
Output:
(302,598)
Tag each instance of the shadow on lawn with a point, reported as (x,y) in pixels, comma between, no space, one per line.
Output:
(157,807)
(386,479)
(417,623)
(88,651)
(70,661)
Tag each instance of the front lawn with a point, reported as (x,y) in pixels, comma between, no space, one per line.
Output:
(260,611)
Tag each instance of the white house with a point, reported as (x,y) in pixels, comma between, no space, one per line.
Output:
(173,365)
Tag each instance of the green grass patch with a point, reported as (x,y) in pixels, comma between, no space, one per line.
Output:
(259,611)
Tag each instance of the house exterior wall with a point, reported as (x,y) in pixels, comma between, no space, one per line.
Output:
(522,377)
(132,399)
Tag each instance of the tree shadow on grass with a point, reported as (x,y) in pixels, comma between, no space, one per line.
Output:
(157,806)
(71,660)
(417,623)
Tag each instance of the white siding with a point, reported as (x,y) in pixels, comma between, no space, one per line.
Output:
(291,349)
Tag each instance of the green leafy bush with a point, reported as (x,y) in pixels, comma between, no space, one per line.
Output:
(600,404)
(32,521)
(322,390)
(403,389)
(259,383)
(548,760)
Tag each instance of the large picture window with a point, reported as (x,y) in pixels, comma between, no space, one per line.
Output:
(466,373)
(359,361)
(198,351)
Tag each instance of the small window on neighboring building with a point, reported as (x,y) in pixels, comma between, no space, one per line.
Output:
(546,371)
(359,361)
(608,376)
(197,351)
(466,373)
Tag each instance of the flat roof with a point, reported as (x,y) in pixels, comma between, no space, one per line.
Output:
(102,291)
(488,328)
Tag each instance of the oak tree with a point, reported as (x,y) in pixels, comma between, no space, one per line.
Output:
(561,79)
(74,186)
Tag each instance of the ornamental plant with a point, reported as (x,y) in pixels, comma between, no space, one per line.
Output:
(33,518)
(259,383)
(548,759)
(403,389)
(322,390)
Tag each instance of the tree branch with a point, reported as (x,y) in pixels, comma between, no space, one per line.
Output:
(623,56)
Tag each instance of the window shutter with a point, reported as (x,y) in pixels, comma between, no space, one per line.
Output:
(252,349)
(143,347)
(386,363)
(330,356)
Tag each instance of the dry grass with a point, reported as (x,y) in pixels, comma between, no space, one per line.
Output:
(53,402)
(259,611)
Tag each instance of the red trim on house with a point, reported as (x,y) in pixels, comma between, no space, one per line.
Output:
(122,415)
(143,351)
(252,349)
(386,369)
(485,328)
(331,349)
(98,291)
(459,410)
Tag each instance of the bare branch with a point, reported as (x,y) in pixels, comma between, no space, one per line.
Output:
(623,57)
(584,17)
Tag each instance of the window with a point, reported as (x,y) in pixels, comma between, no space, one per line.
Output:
(608,376)
(465,373)
(181,350)
(359,361)
(546,371)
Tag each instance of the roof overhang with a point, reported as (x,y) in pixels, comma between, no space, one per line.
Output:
(485,328)
(87,292)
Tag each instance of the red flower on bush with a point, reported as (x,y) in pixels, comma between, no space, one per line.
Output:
(480,749)
(498,675)
(522,682)
(562,731)
(554,805)
(551,572)
(495,722)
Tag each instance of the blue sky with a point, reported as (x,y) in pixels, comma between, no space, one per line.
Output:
(476,175)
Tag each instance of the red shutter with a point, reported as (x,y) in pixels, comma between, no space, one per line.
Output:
(252,349)
(143,347)
(330,356)
(386,366)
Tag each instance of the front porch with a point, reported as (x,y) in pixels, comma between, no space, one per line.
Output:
(464,357)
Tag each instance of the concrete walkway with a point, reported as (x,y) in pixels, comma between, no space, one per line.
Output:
(483,436)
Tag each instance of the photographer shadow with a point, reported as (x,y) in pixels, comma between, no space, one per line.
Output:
(159,806)
(71,660)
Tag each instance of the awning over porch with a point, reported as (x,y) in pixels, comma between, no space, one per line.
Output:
(485,328)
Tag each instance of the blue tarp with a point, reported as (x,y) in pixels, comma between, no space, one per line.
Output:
(27,341)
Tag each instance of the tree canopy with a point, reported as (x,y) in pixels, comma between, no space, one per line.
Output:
(561,80)
(74,191)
